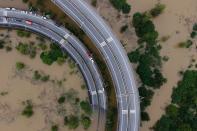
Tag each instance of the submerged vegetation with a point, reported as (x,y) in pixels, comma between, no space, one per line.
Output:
(86,107)
(53,55)
(121,5)
(28,110)
(181,114)
(79,109)
(20,66)
(27,49)
(157,10)
(148,59)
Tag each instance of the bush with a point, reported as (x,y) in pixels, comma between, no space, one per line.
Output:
(61,100)
(45,78)
(72,122)
(42,46)
(126,8)
(22,33)
(20,65)
(111,118)
(193,34)
(145,116)
(25,1)
(123,28)
(181,113)
(2,44)
(195,27)
(185,44)
(86,122)
(157,10)
(28,111)
(8,48)
(148,60)
(121,5)
(60,60)
(86,107)
(36,75)
(26,49)
(55,53)
(134,56)
(54,128)
(94,3)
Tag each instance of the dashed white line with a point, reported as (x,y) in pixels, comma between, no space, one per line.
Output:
(66,36)
(132,111)
(93,93)
(110,39)
(62,41)
(103,43)
(124,111)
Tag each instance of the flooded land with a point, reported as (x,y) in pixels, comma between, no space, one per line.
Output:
(35,96)
(175,24)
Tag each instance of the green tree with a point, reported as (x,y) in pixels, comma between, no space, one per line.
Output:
(157,10)
(20,66)
(28,110)
(86,107)
(86,122)
(72,121)
(145,116)
(54,128)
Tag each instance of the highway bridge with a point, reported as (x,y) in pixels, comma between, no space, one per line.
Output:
(13,18)
(115,57)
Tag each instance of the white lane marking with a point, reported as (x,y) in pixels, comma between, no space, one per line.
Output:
(110,39)
(100,91)
(62,41)
(132,111)
(103,43)
(124,112)
(66,36)
(5,13)
(93,93)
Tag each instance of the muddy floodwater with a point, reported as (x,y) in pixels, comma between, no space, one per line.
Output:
(18,87)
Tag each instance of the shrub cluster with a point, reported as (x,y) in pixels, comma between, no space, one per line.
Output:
(121,5)
(148,59)
(181,113)
(54,54)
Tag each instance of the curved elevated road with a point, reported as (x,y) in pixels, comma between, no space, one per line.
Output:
(69,43)
(115,57)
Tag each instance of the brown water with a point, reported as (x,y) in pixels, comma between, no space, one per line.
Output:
(21,87)
(176,22)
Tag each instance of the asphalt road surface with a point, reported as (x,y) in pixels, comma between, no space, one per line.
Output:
(116,59)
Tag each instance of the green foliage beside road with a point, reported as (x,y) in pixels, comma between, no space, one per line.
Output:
(54,54)
(27,49)
(85,121)
(86,107)
(181,114)
(22,33)
(121,5)
(147,55)
(148,59)
(71,121)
